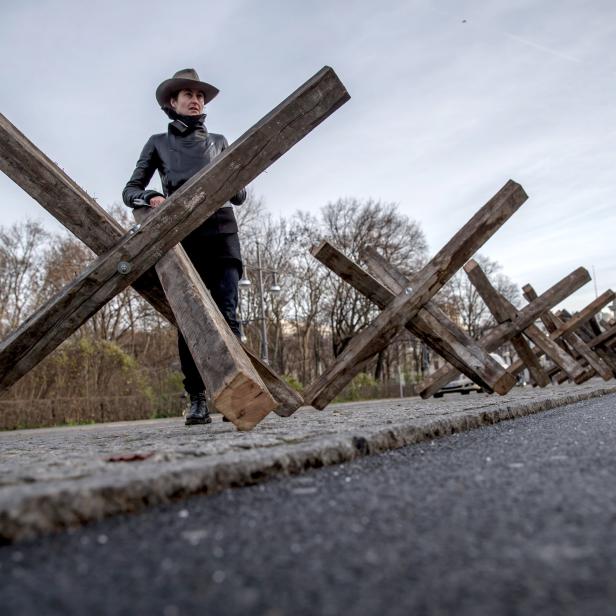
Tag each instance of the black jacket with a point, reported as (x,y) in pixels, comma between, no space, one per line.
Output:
(177,155)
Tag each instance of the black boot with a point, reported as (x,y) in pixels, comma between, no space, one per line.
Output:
(198,412)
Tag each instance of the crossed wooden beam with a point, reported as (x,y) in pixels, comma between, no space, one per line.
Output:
(600,340)
(242,387)
(512,324)
(150,258)
(592,337)
(558,335)
(572,342)
(407,303)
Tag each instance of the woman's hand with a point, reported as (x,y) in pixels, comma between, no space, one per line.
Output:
(156,201)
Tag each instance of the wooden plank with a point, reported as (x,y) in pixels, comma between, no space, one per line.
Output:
(180,214)
(430,324)
(567,327)
(594,331)
(287,398)
(552,323)
(424,285)
(434,327)
(502,310)
(551,348)
(585,314)
(548,323)
(503,332)
(30,169)
(527,355)
(579,349)
(233,384)
(603,350)
(595,327)
(604,337)
(45,182)
(586,375)
(587,332)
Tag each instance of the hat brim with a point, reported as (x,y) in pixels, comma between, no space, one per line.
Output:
(170,86)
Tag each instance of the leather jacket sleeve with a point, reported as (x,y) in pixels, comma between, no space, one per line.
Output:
(135,188)
(239,197)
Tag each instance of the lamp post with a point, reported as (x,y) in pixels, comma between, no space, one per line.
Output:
(264,354)
(245,283)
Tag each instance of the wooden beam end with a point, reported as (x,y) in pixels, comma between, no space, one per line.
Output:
(470,265)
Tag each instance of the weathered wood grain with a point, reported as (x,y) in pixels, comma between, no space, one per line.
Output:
(430,324)
(288,399)
(180,214)
(551,348)
(233,384)
(503,332)
(29,168)
(566,328)
(585,314)
(589,332)
(45,182)
(598,328)
(552,323)
(603,350)
(502,310)
(604,337)
(424,285)
(433,326)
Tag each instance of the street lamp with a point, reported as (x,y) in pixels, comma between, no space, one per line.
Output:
(244,284)
(264,355)
(275,288)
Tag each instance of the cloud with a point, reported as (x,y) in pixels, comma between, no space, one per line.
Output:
(442,112)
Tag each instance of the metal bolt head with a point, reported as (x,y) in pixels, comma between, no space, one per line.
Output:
(124,267)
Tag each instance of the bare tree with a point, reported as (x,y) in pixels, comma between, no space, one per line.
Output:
(22,249)
(351,225)
(128,346)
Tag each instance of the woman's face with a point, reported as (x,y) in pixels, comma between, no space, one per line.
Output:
(188,102)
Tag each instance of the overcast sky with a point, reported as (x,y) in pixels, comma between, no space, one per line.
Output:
(449,100)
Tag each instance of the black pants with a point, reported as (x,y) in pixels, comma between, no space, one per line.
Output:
(220,277)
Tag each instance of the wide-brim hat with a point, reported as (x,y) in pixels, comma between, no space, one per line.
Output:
(188,79)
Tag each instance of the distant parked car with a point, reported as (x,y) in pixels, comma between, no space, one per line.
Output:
(463,385)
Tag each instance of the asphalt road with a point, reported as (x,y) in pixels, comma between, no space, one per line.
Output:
(518,518)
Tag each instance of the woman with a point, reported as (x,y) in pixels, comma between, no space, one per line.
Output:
(214,247)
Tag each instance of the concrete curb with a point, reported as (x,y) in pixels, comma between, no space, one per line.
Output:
(29,510)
